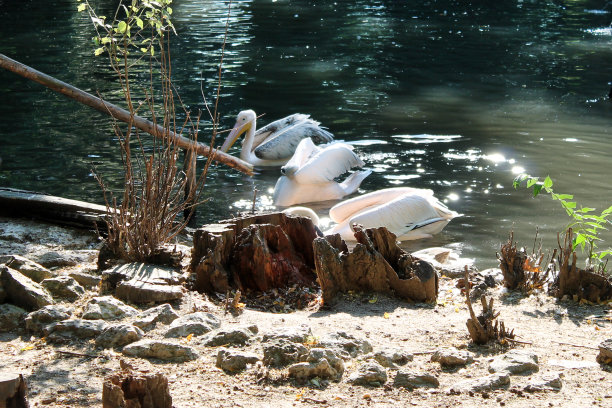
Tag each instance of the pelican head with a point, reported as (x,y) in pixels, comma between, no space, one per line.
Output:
(244,122)
(289,170)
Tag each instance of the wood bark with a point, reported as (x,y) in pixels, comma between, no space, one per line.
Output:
(58,210)
(136,390)
(375,264)
(573,281)
(13,391)
(255,252)
(121,114)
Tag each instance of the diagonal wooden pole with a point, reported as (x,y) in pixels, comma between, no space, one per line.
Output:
(120,113)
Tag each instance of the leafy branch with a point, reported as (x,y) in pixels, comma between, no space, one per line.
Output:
(585,222)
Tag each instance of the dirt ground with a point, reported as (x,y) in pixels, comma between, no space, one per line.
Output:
(564,335)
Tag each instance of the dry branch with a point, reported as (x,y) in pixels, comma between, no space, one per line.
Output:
(485,327)
(121,114)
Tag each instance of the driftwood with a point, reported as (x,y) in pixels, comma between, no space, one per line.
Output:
(120,114)
(59,210)
(375,264)
(13,391)
(258,252)
(134,389)
(485,327)
(573,281)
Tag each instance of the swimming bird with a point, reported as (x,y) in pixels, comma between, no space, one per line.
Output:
(410,213)
(309,175)
(274,144)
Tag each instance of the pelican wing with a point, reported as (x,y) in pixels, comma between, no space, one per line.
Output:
(400,215)
(279,139)
(327,164)
(347,208)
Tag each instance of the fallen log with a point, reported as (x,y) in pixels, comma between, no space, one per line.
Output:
(50,208)
(121,114)
(375,264)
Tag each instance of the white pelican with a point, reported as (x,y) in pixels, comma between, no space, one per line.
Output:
(273,144)
(309,175)
(410,213)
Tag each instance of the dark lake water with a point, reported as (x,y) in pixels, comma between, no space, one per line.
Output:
(454,96)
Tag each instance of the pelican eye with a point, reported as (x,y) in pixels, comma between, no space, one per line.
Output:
(283,170)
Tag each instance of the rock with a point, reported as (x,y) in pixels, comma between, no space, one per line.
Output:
(515,362)
(140,272)
(296,334)
(547,382)
(166,350)
(36,321)
(164,314)
(320,362)
(11,317)
(107,308)
(347,345)
(85,279)
(63,287)
(605,352)
(282,352)
(118,335)
(391,358)
(197,323)
(370,373)
(143,292)
(2,292)
(74,328)
(485,383)
(451,357)
(411,380)
(234,361)
(29,268)
(52,259)
(446,260)
(232,337)
(23,291)
(492,276)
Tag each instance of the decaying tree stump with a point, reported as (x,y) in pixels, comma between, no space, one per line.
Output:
(256,252)
(523,271)
(485,327)
(13,391)
(375,264)
(133,389)
(511,262)
(573,281)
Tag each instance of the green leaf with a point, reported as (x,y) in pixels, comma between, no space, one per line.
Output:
(99,51)
(563,197)
(532,181)
(139,23)
(536,189)
(548,183)
(82,7)
(121,27)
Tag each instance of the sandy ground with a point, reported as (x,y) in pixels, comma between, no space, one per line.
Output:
(562,333)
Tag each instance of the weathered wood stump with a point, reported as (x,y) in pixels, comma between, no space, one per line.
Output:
(375,264)
(13,391)
(511,263)
(258,252)
(573,281)
(136,390)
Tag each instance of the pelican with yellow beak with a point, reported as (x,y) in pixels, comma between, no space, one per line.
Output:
(274,144)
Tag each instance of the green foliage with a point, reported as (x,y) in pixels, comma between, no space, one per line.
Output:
(585,222)
(135,28)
